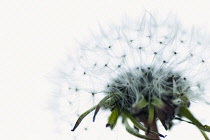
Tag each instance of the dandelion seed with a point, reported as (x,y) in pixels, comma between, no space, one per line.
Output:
(148,72)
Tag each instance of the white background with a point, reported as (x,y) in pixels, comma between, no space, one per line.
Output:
(36,35)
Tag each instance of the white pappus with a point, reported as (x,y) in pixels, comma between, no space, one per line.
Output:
(147,71)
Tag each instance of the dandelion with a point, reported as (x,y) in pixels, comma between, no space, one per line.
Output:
(148,71)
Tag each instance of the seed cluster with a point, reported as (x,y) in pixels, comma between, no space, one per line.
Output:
(148,71)
(145,83)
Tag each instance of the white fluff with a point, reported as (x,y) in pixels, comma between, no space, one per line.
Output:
(162,48)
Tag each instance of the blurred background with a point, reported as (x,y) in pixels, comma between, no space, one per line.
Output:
(37,36)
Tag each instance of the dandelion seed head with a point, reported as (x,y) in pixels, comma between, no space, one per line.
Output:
(143,54)
(145,60)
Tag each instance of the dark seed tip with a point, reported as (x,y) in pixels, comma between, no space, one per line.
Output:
(108,125)
(162,135)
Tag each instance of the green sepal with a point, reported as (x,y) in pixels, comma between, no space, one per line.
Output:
(204,135)
(102,102)
(81,117)
(185,100)
(151,113)
(132,131)
(184,111)
(157,102)
(112,121)
(141,104)
(139,125)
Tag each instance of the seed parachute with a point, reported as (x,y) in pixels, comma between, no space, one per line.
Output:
(148,71)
